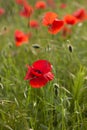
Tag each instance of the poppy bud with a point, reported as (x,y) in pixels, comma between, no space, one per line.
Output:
(70,48)
(36,46)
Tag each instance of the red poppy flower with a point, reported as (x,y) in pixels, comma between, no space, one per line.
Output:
(48,18)
(33,24)
(39,74)
(80,14)
(27,10)
(70,19)
(63,6)
(21,38)
(40,5)
(2,11)
(56,26)
(51,3)
(20,2)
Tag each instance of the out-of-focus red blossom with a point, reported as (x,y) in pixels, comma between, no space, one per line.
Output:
(63,6)
(21,37)
(27,10)
(48,18)
(66,31)
(2,11)
(51,3)
(56,26)
(80,14)
(40,5)
(70,19)
(20,2)
(33,24)
(39,74)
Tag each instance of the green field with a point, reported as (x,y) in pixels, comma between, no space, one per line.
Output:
(62,103)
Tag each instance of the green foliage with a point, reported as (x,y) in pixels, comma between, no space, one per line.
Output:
(62,103)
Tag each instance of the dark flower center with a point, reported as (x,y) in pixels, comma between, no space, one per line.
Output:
(19,38)
(36,73)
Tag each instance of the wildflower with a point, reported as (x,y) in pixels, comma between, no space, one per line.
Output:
(33,24)
(70,19)
(39,74)
(27,10)
(2,11)
(54,25)
(21,38)
(49,18)
(51,3)
(20,2)
(63,6)
(40,5)
(80,14)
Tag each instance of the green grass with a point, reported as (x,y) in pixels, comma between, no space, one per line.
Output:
(62,103)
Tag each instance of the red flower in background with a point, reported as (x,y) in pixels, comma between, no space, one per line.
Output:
(80,14)
(20,2)
(21,38)
(54,25)
(2,11)
(70,19)
(27,10)
(40,5)
(51,3)
(63,6)
(39,74)
(49,18)
(33,24)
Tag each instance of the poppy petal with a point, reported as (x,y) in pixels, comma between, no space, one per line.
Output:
(39,74)
(43,65)
(49,18)
(27,10)
(2,11)
(49,76)
(28,74)
(56,26)
(38,82)
(70,19)
(21,38)
(80,14)
(40,5)
(33,24)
